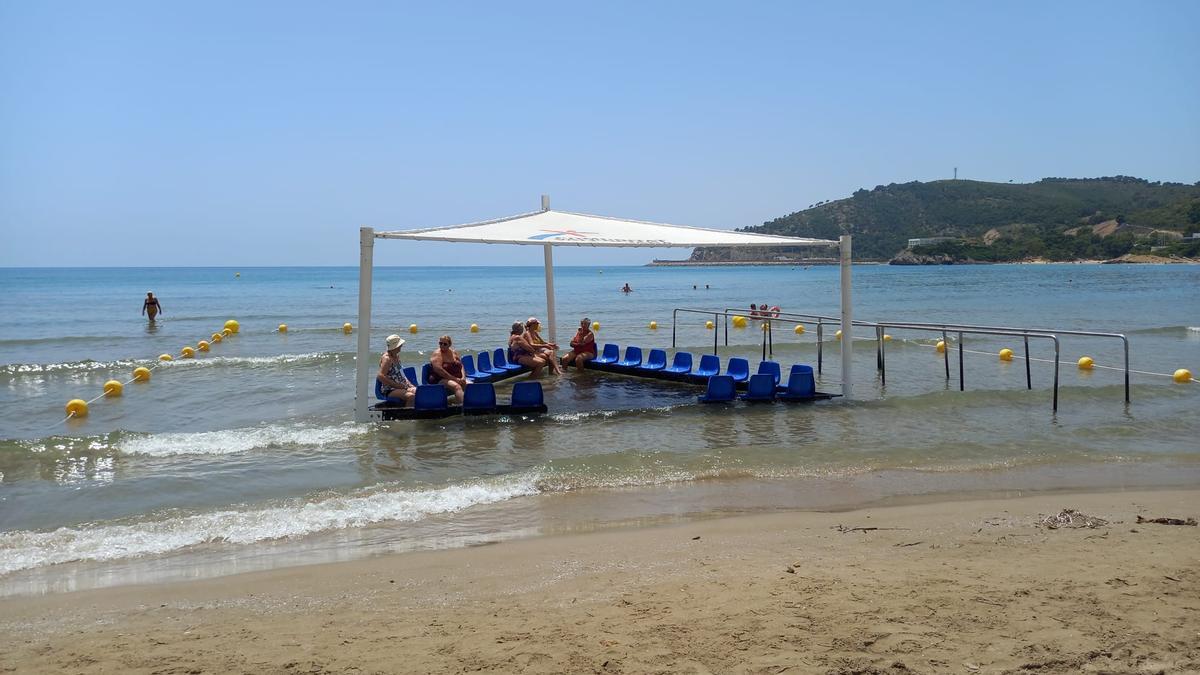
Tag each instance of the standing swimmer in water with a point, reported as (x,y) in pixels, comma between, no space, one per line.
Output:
(150,306)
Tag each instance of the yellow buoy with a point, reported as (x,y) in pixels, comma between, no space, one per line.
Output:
(941,347)
(838,335)
(113,388)
(412,328)
(77,407)
(165,357)
(738,321)
(887,338)
(141,374)
(653,325)
(596,324)
(1182,376)
(799,329)
(1086,363)
(217,337)
(202,345)
(1006,354)
(187,352)
(283,328)
(232,326)
(347,328)
(474,328)
(226,332)
(708,325)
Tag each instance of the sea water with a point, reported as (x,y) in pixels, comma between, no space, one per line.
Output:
(248,457)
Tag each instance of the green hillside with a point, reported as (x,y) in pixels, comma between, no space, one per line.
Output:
(1052,218)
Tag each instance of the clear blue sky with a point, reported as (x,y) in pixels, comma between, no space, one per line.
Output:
(244,133)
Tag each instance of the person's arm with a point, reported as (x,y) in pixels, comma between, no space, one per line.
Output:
(160,309)
(590,337)
(435,364)
(143,308)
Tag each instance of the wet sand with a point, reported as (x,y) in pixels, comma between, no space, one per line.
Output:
(958,586)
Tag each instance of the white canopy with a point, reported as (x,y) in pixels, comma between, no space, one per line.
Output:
(548,229)
(562,228)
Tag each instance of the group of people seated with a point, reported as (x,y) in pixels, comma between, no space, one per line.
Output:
(525,347)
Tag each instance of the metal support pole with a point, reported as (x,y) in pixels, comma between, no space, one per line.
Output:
(725,320)
(674,316)
(847,322)
(771,338)
(550,289)
(1126,341)
(1028,376)
(764,346)
(879,348)
(362,365)
(961,384)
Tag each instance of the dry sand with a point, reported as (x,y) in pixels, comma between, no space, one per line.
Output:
(965,587)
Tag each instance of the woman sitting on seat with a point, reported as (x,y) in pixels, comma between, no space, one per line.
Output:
(446,369)
(583,346)
(546,350)
(392,382)
(520,351)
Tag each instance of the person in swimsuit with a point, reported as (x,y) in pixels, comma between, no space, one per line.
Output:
(583,346)
(520,351)
(626,288)
(546,350)
(151,306)
(392,382)
(446,369)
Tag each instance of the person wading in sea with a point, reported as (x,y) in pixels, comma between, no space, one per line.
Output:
(150,306)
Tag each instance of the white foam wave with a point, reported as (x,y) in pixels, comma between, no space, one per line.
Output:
(230,441)
(26,550)
(279,359)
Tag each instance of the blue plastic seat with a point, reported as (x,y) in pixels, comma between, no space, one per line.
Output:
(485,365)
(739,369)
(430,397)
(721,389)
(410,374)
(426,374)
(379,390)
(633,358)
(709,365)
(761,387)
(479,398)
(470,372)
(610,355)
(499,361)
(656,361)
(527,395)
(801,385)
(770,367)
(682,365)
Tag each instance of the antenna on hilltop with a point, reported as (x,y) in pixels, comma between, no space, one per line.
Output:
(956,173)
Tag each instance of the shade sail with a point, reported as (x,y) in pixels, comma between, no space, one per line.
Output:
(562,228)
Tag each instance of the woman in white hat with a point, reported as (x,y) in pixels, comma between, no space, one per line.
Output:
(392,382)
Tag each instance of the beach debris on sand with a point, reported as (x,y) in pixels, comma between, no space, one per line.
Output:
(1071,518)
(1167,521)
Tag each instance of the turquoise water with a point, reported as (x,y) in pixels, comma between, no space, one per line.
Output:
(248,457)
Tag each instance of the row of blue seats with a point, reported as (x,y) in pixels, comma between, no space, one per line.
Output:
(485,372)
(479,398)
(681,367)
(761,387)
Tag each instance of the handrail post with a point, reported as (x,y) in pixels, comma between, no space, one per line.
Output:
(820,344)
(674,316)
(961,381)
(946,353)
(882,358)
(1056,353)
(1125,340)
(714,334)
(1028,375)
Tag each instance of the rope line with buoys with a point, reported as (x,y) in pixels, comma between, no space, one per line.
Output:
(1182,375)
(78,408)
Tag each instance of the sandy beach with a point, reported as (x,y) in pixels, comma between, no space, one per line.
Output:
(959,586)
